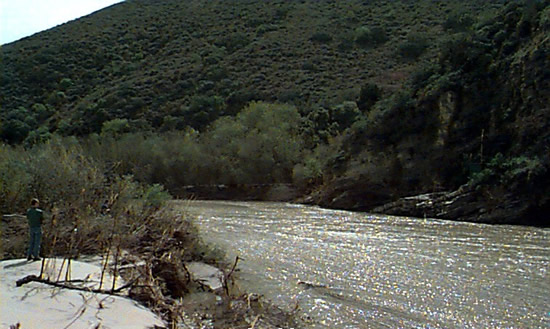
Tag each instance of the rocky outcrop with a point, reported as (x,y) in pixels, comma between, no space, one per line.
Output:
(473,205)
(447,205)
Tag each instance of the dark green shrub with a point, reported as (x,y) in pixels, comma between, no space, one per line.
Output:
(65,83)
(318,126)
(413,47)
(370,94)
(255,22)
(42,112)
(238,99)
(38,136)
(170,123)
(370,36)
(203,110)
(234,41)
(217,73)
(308,172)
(346,42)
(14,130)
(321,37)
(394,117)
(309,66)
(288,96)
(345,114)
(56,98)
(504,170)
(422,77)
(265,28)
(458,22)
(464,52)
(155,196)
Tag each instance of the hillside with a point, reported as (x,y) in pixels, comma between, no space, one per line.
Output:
(387,100)
(193,61)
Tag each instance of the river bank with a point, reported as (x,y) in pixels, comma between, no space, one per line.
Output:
(489,205)
(168,267)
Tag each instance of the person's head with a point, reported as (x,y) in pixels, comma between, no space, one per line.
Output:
(34,203)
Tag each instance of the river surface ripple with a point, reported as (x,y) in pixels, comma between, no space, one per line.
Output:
(376,271)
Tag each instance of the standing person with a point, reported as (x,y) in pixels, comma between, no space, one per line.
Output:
(35,216)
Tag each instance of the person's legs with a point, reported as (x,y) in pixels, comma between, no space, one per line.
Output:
(34,243)
(37,241)
(31,244)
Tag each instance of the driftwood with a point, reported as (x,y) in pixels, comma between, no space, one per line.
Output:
(67,285)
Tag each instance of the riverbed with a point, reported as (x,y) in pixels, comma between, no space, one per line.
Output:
(357,270)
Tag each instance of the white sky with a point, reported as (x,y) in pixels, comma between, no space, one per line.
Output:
(21,18)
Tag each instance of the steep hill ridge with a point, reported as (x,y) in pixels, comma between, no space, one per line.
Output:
(144,60)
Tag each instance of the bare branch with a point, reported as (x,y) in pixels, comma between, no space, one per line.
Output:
(34,278)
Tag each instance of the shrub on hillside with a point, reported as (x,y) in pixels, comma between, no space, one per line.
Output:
(370,36)
(38,136)
(16,124)
(506,170)
(346,42)
(413,47)
(465,53)
(368,96)
(423,76)
(318,126)
(265,28)
(321,37)
(345,114)
(42,112)
(458,22)
(234,41)
(203,110)
(393,118)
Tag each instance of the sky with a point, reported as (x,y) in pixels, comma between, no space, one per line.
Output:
(22,18)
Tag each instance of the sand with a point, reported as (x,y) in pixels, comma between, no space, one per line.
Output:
(38,305)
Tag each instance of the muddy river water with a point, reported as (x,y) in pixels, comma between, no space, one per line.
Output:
(358,270)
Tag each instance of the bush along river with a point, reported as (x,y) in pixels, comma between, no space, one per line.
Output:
(357,270)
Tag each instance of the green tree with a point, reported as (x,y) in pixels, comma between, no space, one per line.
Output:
(260,145)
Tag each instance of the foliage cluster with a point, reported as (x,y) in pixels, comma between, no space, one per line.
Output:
(506,171)
(261,145)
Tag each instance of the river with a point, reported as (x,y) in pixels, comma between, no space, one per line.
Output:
(358,270)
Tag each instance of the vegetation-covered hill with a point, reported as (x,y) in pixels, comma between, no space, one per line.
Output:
(162,64)
(386,99)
